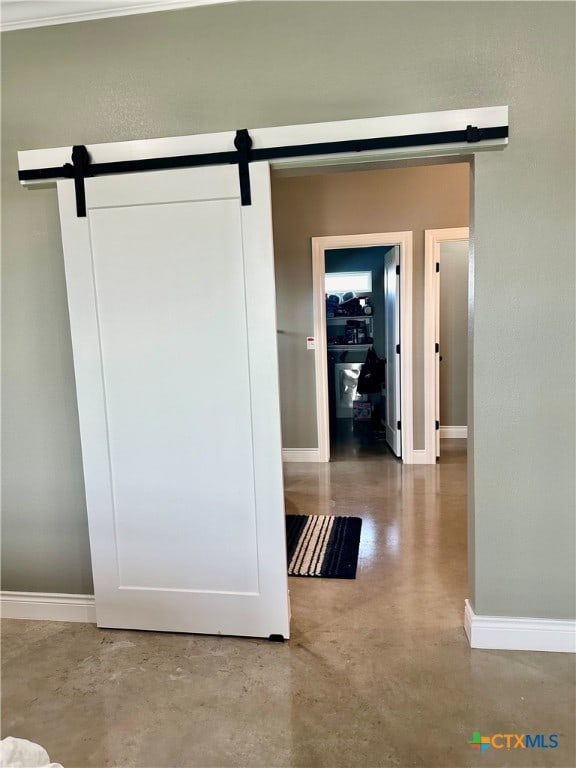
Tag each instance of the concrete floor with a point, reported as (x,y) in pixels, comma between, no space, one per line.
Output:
(378,671)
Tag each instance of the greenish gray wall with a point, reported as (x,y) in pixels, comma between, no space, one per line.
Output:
(224,67)
(454,333)
(392,200)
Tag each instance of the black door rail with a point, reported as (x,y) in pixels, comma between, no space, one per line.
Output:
(81,166)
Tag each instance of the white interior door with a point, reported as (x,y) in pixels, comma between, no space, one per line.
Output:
(172,310)
(438,351)
(392,311)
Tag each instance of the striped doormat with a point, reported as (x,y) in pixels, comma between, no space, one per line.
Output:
(323,545)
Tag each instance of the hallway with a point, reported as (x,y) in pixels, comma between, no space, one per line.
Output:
(378,671)
(412,568)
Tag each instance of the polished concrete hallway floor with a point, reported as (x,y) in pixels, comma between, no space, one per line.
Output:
(351,439)
(378,671)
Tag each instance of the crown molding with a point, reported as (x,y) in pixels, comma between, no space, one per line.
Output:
(26,14)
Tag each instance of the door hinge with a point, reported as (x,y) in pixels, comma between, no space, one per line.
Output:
(437,425)
(437,266)
(437,347)
(397,269)
(397,349)
(398,425)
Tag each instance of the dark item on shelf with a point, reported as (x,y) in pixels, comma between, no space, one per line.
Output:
(332,304)
(350,308)
(355,332)
(351,335)
(372,374)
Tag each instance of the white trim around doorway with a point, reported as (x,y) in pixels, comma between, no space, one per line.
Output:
(319,246)
(433,238)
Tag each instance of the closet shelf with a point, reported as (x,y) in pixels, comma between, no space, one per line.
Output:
(357,347)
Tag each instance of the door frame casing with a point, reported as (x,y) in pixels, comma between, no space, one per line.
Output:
(433,239)
(385,239)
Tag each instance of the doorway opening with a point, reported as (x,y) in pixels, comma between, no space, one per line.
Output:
(394,205)
(362,418)
(411,515)
(363,343)
(446,307)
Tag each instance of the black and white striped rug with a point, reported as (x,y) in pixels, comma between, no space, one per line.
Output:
(323,545)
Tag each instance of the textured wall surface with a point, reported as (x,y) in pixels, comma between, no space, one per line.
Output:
(224,67)
(395,200)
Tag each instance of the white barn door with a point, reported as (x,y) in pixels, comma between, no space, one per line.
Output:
(172,309)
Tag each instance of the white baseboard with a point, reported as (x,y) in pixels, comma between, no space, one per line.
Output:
(460,432)
(508,633)
(300,454)
(44,606)
(418,457)
(487,632)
